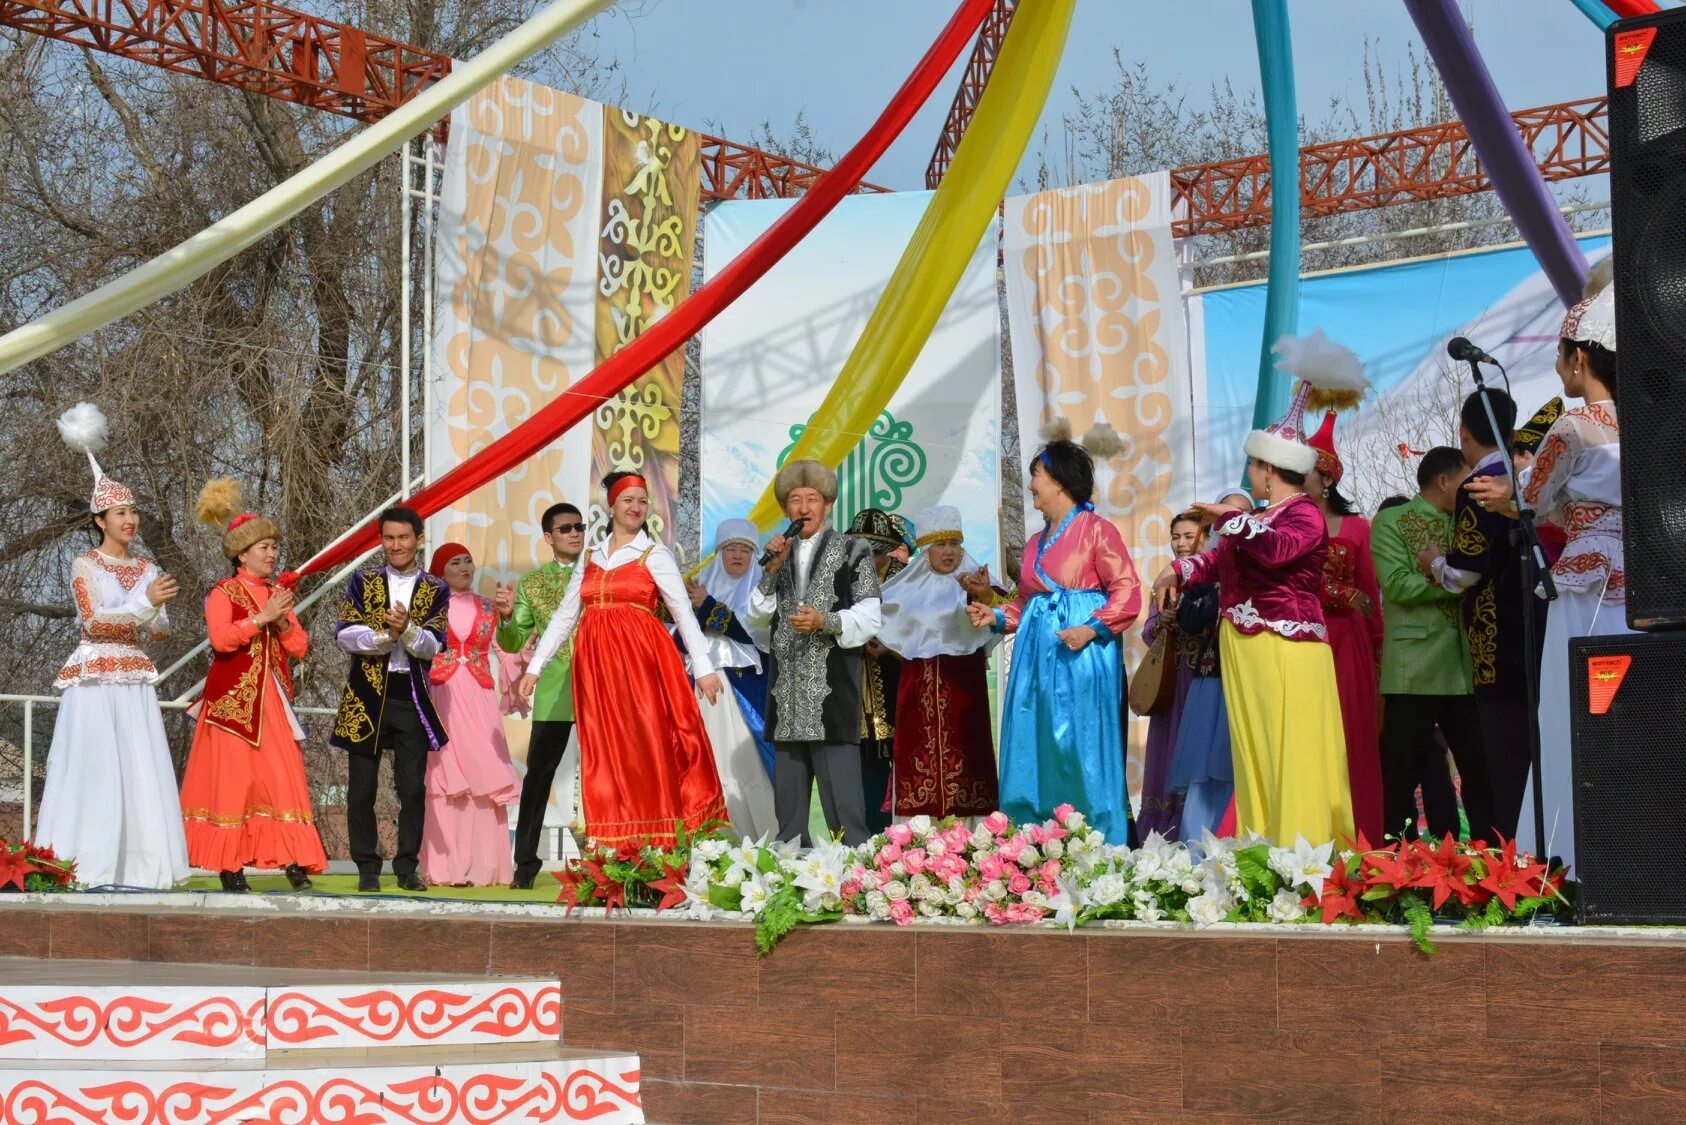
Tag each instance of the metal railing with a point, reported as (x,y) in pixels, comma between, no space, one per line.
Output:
(30,702)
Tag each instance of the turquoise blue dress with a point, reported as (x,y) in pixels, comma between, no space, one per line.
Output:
(1062,727)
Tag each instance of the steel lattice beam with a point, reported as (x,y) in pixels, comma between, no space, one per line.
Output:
(1409,166)
(972,83)
(309,61)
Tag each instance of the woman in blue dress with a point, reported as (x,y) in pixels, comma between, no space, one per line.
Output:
(1062,731)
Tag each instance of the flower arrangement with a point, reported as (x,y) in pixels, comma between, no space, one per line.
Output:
(1062,871)
(25,867)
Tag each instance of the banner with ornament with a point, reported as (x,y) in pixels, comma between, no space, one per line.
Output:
(566,227)
(768,361)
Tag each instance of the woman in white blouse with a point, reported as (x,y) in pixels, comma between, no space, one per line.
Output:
(646,766)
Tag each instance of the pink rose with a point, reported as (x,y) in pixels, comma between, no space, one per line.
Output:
(1051,832)
(899,834)
(889,854)
(957,838)
(850,888)
(914,860)
(995,914)
(1011,849)
(1037,833)
(1019,883)
(992,867)
(997,823)
(953,867)
(901,912)
(1062,812)
(1051,871)
(1021,912)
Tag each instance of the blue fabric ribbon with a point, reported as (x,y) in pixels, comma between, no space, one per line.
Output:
(1282,125)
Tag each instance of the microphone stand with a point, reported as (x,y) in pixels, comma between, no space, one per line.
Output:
(1525,538)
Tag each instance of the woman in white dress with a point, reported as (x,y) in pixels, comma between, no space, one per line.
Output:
(1576,483)
(110,802)
(720,600)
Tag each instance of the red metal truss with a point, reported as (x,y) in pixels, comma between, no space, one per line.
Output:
(248,44)
(972,84)
(304,59)
(1409,166)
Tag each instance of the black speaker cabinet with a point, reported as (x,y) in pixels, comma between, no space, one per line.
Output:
(1647,79)
(1627,709)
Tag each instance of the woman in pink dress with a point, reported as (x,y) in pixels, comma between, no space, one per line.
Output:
(465,837)
(1352,610)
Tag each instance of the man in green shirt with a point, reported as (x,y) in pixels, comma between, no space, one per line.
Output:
(523,612)
(1426,679)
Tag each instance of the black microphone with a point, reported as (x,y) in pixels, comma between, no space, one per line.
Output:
(1459,348)
(767,555)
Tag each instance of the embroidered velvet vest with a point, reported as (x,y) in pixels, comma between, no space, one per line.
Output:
(234,687)
(468,652)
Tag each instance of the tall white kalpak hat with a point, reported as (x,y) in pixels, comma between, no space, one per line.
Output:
(937,524)
(1593,321)
(1329,375)
(84,428)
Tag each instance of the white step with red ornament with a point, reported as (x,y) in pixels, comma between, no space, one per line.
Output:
(113,1041)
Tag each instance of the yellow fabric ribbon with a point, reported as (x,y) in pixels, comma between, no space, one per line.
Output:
(959,213)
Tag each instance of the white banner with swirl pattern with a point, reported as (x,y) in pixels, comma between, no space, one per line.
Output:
(768,360)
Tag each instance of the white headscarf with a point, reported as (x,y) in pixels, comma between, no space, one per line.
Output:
(925,612)
(733,593)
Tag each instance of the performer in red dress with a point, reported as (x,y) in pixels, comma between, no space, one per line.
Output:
(944,763)
(245,798)
(645,760)
(1352,602)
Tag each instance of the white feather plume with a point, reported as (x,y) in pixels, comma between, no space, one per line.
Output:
(1334,371)
(84,428)
(1102,441)
(1056,429)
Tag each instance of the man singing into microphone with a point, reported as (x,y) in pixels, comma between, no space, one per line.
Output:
(819,596)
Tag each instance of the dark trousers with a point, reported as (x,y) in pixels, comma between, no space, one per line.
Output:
(545,747)
(1412,756)
(1505,727)
(401,733)
(837,766)
(876,760)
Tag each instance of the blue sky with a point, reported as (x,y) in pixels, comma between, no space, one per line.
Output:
(738,62)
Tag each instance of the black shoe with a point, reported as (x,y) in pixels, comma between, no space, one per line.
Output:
(234,881)
(411,882)
(368,882)
(522,883)
(298,877)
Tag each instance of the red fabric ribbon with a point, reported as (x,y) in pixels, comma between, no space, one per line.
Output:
(620,486)
(1629,8)
(667,334)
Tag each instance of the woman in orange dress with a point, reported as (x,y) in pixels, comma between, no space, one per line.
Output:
(645,760)
(245,798)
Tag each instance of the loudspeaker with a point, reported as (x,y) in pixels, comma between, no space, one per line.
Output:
(1647,77)
(1627,728)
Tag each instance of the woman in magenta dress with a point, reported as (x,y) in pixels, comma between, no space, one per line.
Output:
(470,781)
(646,765)
(1062,732)
(1352,610)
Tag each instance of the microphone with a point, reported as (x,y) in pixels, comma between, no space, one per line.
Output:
(1459,348)
(792,529)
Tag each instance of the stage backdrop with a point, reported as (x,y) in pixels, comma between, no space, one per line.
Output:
(768,360)
(1397,318)
(1095,319)
(565,228)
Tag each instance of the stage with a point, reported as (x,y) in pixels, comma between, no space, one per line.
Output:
(863,1023)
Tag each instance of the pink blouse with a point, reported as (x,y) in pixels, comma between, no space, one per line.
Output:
(1269,570)
(1086,554)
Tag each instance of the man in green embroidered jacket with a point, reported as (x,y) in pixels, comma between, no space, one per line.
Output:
(1426,680)
(523,613)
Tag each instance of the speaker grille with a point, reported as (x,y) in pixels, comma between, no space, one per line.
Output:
(1630,781)
(1648,213)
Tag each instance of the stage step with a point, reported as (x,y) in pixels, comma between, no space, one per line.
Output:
(116,1010)
(481,1085)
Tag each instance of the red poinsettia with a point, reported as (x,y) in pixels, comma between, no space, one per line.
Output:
(671,886)
(1446,872)
(1394,868)
(1509,880)
(1341,896)
(15,867)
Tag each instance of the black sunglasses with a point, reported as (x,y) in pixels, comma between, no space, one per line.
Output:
(565,528)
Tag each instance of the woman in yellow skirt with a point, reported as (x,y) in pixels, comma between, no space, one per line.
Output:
(1279,672)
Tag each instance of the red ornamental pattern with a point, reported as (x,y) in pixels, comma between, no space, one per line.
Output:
(297,1018)
(129,1021)
(581,1094)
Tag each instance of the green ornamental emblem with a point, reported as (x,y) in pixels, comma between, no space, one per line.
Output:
(877,473)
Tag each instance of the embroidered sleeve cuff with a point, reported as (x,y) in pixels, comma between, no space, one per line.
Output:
(1242,523)
(769,580)
(1103,634)
(1184,568)
(834,624)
